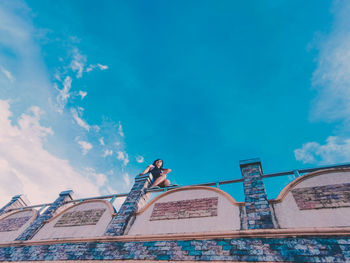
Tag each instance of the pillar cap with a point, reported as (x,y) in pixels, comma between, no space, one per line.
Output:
(67,192)
(248,162)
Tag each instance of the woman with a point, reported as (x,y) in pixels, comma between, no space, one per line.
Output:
(159,174)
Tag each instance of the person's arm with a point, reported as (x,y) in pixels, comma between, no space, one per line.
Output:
(166,171)
(146,170)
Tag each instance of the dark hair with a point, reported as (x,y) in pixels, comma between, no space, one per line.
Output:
(154,163)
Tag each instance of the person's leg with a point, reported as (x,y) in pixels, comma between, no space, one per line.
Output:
(159,180)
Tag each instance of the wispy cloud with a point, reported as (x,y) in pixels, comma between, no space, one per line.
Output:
(120,130)
(7,74)
(79,120)
(82,94)
(63,94)
(27,167)
(140,159)
(123,156)
(101,140)
(126,178)
(85,146)
(78,63)
(331,79)
(96,66)
(107,153)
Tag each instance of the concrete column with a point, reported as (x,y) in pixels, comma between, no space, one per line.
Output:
(38,223)
(16,202)
(135,200)
(257,207)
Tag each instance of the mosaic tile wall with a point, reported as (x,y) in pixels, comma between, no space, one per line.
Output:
(318,197)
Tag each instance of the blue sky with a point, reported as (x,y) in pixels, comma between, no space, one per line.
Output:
(91,93)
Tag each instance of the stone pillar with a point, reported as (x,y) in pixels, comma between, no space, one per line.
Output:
(38,223)
(257,207)
(135,200)
(16,202)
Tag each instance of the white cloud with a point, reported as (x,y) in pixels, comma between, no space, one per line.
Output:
(82,94)
(93,67)
(331,79)
(78,120)
(99,178)
(78,63)
(123,156)
(120,130)
(335,150)
(7,74)
(26,167)
(101,140)
(126,179)
(107,153)
(63,94)
(85,146)
(140,159)
(102,67)
(332,76)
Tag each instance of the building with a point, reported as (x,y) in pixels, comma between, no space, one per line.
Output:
(308,222)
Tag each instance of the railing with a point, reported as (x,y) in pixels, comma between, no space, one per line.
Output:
(217,184)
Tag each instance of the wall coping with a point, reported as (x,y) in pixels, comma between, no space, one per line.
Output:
(109,206)
(255,233)
(187,188)
(298,180)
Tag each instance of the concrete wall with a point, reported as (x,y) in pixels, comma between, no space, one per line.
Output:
(188,209)
(319,199)
(13,224)
(86,219)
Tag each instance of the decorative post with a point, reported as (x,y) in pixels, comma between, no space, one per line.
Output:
(136,199)
(38,223)
(257,207)
(16,201)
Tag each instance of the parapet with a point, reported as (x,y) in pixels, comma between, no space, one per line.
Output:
(307,222)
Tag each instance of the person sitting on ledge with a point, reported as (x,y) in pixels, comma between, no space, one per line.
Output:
(159,174)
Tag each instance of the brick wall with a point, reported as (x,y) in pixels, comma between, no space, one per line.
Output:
(192,208)
(318,197)
(80,218)
(13,224)
(289,249)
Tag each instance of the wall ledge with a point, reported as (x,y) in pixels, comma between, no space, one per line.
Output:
(255,233)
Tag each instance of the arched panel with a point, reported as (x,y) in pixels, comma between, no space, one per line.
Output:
(318,199)
(186,210)
(86,219)
(14,223)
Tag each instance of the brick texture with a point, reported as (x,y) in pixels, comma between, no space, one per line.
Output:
(136,198)
(293,249)
(203,207)
(318,197)
(257,207)
(38,223)
(13,224)
(80,218)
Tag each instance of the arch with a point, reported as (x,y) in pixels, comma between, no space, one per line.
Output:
(300,179)
(109,206)
(187,188)
(34,216)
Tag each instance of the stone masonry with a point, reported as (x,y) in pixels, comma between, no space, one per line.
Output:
(328,196)
(202,207)
(257,207)
(13,224)
(136,198)
(288,249)
(38,223)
